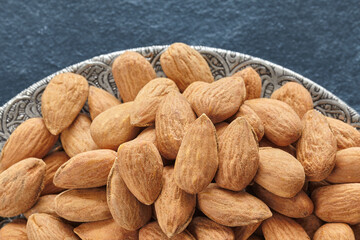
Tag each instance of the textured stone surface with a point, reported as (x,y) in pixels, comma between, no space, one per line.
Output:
(318,39)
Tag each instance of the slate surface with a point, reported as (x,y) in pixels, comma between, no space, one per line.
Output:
(318,39)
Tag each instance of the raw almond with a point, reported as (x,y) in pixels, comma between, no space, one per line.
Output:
(266,143)
(338,203)
(185,65)
(153,231)
(174,207)
(77,138)
(310,224)
(231,208)
(346,135)
(83,205)
(238,156)
(252,82)
(330,231)
(279,172)
(148,99)
(296,96)
(105,229)
(45,204)
(30,139)
(220,128)
(112,127)
(62,100)
(100,100)
(282,125)
(20,186)
(316,149)
(173,118)
(86,170)
(244,232)
(126,210)
(284,228)
(203,228)
(42,226)
(16,230)
(148,134)
(131,73)
(197,159)
(219,100)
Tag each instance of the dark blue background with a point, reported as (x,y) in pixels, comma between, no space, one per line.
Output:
(318,39)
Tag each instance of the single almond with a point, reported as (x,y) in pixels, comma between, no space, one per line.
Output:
(153,231)
(316,149)
(238,156)
(15,230)
(252,82)
(220,128)
(282,125)
(289,149)
(86,170)
(185,65)
(148,99)
(100,100)
(45,204)
(30,139)
(244,232)
(173,118)
(231,208)
(203,228)
(148,134)
(310,224)
(346,135)
(62,100)
(330,231)
(77,138)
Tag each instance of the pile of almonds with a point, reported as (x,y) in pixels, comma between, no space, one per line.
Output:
(182,157)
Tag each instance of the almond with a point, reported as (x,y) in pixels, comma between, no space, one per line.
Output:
(83,205)
(281,227)
(131,73)
(244,232)
(173,118)
(77,138)
(310,224)
(219,100)
(153,231)
(100,100)
(197,159)
(86,170)
(148,99)
(112,127)
(105,229)
(62,100)
(316,148)
(148,134)
(185,65)
(338,203)
(45,204)
(346,135)
(282,125)
(126,210)
(16,230)
(252,82)
(42,226)
(203,228)
(231,208)
(279,173)
(20,186)
(220,128)
(266,143)
(30,139)
(296,96)
(330,231)
(299,206)
(174,207)
(238,156)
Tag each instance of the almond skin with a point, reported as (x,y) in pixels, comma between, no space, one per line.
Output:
(296,96)
(281,227)
(197,159)
(231,208)
(346,135)
(282,125)
(252,82)
(100,100)
(148,134)
(62,100)
(219,100)
(126,210)
(16,230)
(148,99)
(330,231)
(310,224)
(203,228)
(316,149)
(83,205)
(220,128)
(86,170)
(153,231)
(238,156)
(106,229)
(173,118)
(30,139)
(20,186)
(131,73)
(77,138)
(45,204)
(174,207)
(244,232)
(185,65)
(112,127)
(42,226)
(338,203)
(279,173)
(289,149)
